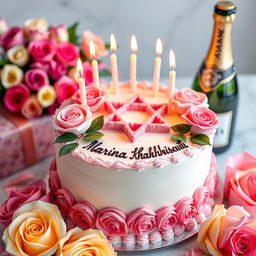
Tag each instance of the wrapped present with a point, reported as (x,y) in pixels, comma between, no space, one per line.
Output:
(23,142)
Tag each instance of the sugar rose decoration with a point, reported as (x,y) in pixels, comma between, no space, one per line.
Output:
(240,182)
(186,98)
(36,229)
(73,118)
(229,231)
(87,243)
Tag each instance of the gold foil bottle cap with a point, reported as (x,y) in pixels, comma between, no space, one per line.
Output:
(225,8)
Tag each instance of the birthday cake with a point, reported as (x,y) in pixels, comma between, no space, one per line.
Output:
(136,166)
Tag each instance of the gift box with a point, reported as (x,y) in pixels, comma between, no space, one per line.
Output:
(23,142)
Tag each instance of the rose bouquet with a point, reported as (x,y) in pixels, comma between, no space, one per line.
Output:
(37,65)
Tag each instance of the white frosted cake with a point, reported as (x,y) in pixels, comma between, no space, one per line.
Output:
(144,175)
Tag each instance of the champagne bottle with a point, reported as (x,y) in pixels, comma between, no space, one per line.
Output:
(217,76)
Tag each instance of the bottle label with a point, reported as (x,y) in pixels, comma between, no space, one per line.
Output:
(221,137)
(211,77)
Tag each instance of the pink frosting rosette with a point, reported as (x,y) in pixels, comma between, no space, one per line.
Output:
(112,221)
(83,214)
(14,36)
(95,97)
(202,119)
(186,98)
(73,118)
(166,217)
(142,220)
(15,97)
(200,197)
(36,78)
(185,210)
(42,50)
(64,200)
(35,191)
(67,53)
(240,181)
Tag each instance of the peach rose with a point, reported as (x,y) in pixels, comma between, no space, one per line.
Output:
(240,183)
(36,229)
(186,98)
(100,48)
(32,108)
(87,243)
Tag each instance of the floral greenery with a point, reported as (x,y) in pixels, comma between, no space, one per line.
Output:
(91,134)
(181,129)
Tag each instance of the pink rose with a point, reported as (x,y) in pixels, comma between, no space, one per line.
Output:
(74,118)
(67,53)
(36,78)
(186,98)
(37,35)
(65,88)
(240,182)
(41,65)
(3,26)
(52,109)
(100,48)
(59,33)
(112,221)
(64,200)
(95,97)
(166,217)
(200,197)
(33,192)
(193,252)
(83,214)
(202,119)
(54,181)
(185,210)
(32,108)
(42,50)
(56,69)
(15,97)
(14,36)
(142,220)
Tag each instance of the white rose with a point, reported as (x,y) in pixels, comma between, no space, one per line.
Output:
(59,33)
(3,26)
(11,75)
(39,25)
(18,55)
(35,230)
(46,96)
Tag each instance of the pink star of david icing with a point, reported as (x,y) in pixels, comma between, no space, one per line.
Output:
(155,123)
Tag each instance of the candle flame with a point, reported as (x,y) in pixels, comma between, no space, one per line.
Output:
(79,67)
(134,46)
(172,60)
(112,43)
(159,47)
(92,49)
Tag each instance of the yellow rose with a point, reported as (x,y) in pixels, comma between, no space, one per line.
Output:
(18,55)
(39,24)
(90,242)
(46,96)
(35,230)
(11,75)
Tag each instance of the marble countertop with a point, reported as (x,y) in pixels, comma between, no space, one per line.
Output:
(244,140)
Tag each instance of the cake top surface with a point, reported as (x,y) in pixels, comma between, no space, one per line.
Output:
(139,130)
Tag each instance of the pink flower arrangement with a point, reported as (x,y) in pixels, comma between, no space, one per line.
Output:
(38,55)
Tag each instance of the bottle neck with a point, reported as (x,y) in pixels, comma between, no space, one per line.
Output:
(220,52)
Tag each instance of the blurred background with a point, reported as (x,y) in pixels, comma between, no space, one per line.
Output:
(184,25)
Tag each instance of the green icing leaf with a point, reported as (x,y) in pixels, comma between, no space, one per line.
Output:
(179,137)
(68,149)
(181,128)
(96,124)
(93,136)
(105,72)
(200,139)
(72,33)
(66,137)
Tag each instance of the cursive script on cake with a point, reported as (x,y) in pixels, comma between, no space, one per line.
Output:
(138,153)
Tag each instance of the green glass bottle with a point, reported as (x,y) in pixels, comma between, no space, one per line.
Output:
(217,76)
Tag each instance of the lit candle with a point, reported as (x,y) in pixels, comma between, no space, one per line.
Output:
(133,64)
(157,68)
(81,82)
(95,68)
(172,76)
(113,61)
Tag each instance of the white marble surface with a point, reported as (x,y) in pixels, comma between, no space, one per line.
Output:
(184,25)
(244,140)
